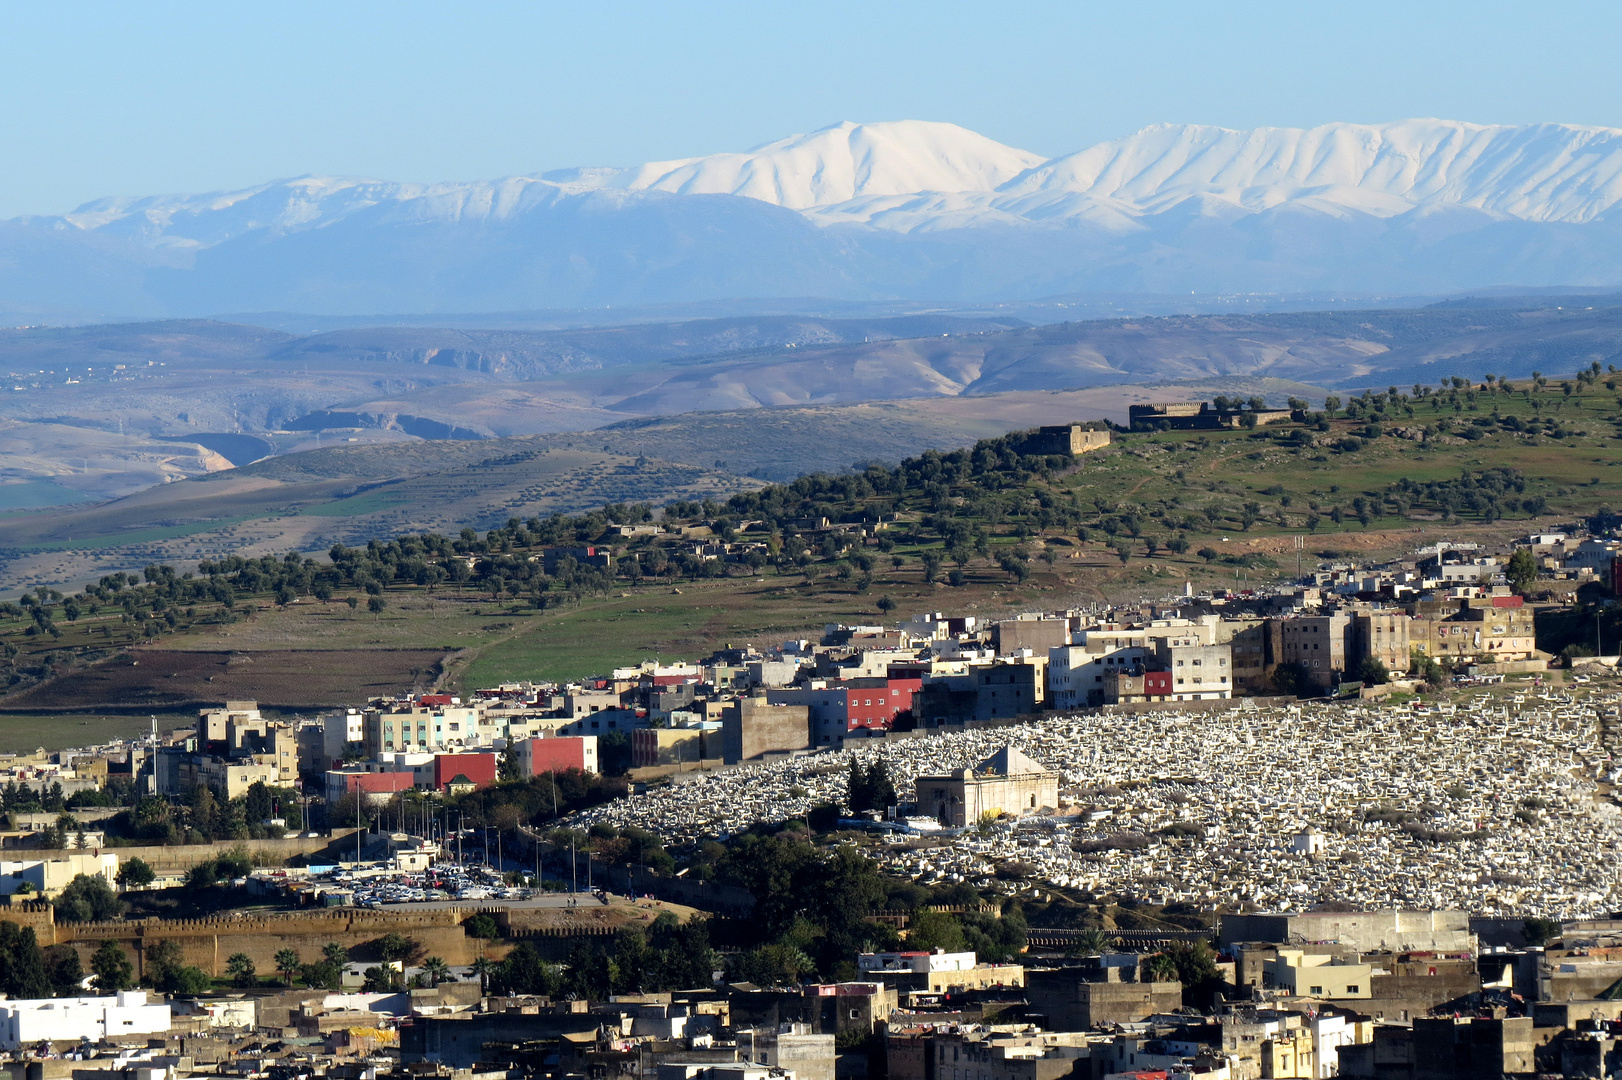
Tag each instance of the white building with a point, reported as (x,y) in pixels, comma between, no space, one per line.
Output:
(343,737)
(51,876)
(35,1020)
(1076,672)
(1200,671)
(915,962)
(1469,573)
(1591,554)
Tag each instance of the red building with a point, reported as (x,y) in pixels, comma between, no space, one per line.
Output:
(377,786)
(557,754)
(479,769)
(842,707)
(1156,682)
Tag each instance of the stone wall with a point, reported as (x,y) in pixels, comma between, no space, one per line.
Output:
(208,943)
(39,917)
(179,858)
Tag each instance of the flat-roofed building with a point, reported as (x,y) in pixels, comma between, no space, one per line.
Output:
(36,1020)
(1382,636)
(1318,644)
(1318,975)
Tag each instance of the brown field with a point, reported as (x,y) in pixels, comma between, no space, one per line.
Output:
(167,680)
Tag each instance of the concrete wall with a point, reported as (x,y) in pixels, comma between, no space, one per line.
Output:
(1367,931)
(1064,439)
(1209,705)
(808,1057)
(1483,1047)
(1072,1004)
(1038,635)
(1399,999)
(751,728)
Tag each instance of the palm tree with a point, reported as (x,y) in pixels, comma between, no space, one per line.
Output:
(484,967)
(1089,942)
(240,967)
(436,969)
(1160,968)
(287,963)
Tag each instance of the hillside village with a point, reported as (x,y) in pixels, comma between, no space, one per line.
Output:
(1281,830)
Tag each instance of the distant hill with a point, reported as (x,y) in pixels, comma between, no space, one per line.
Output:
(1346,349)
(520,354)
(309,501)
(245,392)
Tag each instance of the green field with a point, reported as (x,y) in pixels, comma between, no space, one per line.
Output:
(659,624)
(36,494)
(370,502)
(21,734)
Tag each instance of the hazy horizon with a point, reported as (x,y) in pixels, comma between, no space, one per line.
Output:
(185,98)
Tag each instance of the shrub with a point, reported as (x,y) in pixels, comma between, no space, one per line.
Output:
(88,899)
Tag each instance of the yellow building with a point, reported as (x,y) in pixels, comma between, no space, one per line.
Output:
(1318,975)
(1496,626)
(1289,1054)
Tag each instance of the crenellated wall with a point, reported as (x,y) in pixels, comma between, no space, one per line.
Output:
(208,943)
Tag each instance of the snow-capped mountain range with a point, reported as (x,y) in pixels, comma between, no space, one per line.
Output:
(908,209)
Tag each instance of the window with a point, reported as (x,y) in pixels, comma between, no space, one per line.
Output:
(1352,989)
(1315,990)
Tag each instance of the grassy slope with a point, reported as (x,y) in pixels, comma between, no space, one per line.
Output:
(1168,473)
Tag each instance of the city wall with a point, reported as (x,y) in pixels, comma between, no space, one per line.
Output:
(178,858)
(208,943)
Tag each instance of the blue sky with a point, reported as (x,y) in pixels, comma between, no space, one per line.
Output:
(107,99)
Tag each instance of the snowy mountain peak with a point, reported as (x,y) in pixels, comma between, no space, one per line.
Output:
(918,208)
(1544,172)
(841,162)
